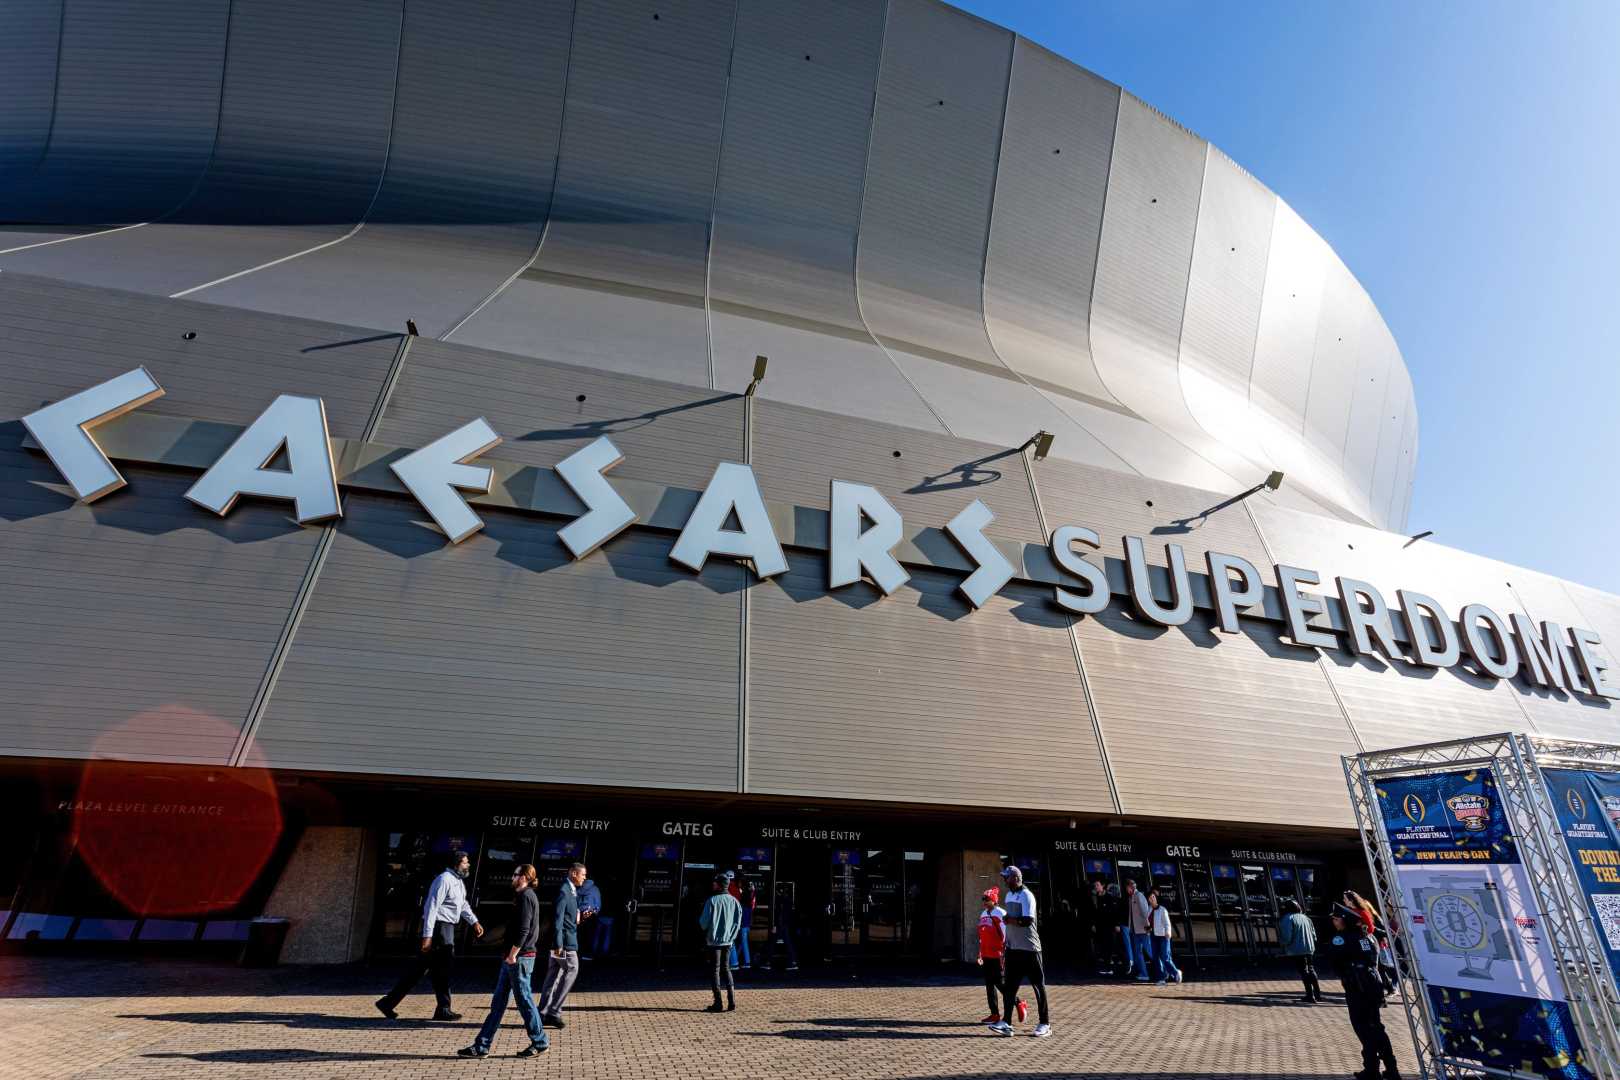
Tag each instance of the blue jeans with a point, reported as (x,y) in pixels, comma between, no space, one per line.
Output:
(513,982)
(1163,966)
(1142,946)
(742,943)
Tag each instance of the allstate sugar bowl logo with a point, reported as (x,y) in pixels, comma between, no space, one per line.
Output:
(1473,812)
(1413,808)
(1611,808)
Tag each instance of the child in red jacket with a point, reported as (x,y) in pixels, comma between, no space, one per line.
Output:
(992,948)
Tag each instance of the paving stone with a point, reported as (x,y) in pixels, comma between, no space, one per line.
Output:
(118,1019)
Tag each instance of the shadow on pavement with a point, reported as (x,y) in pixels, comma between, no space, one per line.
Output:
(290,1055)
(305,1021)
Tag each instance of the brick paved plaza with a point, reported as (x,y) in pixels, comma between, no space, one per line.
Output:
(119,1019)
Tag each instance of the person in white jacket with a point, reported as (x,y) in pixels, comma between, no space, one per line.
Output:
(1164,968)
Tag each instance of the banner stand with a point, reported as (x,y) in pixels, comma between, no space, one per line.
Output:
(1503,972)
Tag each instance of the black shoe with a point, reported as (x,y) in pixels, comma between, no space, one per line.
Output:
(472,1051)
(731,1004)
(716,1007)
(532,1051)
(446,1014)
(553,1022)
(385,1010)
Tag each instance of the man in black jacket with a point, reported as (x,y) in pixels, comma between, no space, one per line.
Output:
(562,968)
(1355,958)
(517,969)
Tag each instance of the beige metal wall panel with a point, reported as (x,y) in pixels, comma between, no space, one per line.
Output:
(501,658)
(907,698)
(787,210)
(1050,183)
(798,452)
(668,434)
(149,622)
(30,35)
(930,181)
(137,101)
(621,274)
(1224,293)
(1291,306)
(1545,598)
(1187,720)
(1144,258)
(1406,474)
(468,179)
(1404,705)
(303,136)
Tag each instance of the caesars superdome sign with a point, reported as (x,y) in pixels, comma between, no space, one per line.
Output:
(860,532)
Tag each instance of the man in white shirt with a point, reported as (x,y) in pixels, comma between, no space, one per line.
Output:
(1023,956)
(446,905)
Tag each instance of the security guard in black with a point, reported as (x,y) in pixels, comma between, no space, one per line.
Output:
(1355,958)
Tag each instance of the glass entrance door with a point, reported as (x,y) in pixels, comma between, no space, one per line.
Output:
(502,852)
(846,901)
(656,892)
(1229,909)
(884,910)
(1259,909)
(1203,930)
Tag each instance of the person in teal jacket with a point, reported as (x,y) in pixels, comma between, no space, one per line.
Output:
(1297,936)
(721,922)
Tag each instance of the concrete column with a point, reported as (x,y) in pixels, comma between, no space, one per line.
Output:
(980,870)
(327,890)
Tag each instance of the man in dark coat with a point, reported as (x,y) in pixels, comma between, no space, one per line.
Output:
(1355,958)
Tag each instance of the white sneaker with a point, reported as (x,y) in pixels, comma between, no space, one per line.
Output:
(1003,1028)
(1041,1031)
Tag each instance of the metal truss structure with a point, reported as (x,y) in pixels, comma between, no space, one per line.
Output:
(1516,762)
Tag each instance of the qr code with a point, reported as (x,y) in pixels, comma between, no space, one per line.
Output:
(1608,913)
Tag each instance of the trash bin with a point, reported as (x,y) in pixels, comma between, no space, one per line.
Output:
(266,935)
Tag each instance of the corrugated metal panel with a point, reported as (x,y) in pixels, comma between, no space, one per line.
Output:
(1143,265)
(1397,397)
(1228,275)
(1342,337)
(469,175)
(1372,376)
(302,138)
(502,658)
(149,623)
(1296,273)
(1409,704)
(855,697)
(1050,183)
(620,278)
(1407,469)
(29,36)
(1141,446)
(136,109)
(787,207)
(1186,719)
(1161,513)
(669,434)
(930,181)
(1559,714)
(798,452)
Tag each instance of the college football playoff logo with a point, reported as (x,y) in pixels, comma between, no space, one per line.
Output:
(1413,808)
(1577,805)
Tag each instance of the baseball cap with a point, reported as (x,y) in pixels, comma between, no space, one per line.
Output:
(1010,871)
(991,895)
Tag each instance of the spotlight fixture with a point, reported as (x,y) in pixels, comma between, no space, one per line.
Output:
(1274,481)
(410,327)
(1042,442)
(759,375)
(1420,536)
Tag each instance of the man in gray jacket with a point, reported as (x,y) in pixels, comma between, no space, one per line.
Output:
(721,922)
(1297,936)
(1138,930)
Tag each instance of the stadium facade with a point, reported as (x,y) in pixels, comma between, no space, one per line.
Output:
(999,296)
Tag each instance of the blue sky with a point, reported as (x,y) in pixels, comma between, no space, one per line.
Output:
(1464,161)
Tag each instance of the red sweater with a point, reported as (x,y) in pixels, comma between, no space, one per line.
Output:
(992,934)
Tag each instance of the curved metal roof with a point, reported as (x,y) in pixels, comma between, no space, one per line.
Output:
(920,217)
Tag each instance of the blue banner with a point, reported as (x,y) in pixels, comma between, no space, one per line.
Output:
(1588,806)
(1493,978)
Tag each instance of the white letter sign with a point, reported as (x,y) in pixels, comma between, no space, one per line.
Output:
(994,571)
(732,488)
(62,430)
(299,424)
(853,549)
(434,473)
(606,513)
